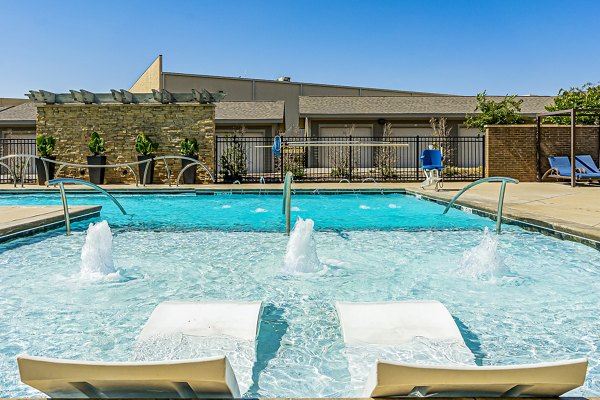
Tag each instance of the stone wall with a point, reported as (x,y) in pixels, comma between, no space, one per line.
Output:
(119,124)
(510,150)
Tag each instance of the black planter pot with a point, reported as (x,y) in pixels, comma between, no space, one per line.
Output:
(41,171)
(142,168)
(96,174)
(232,178)
(189,175)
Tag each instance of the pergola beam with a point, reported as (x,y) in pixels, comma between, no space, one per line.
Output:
(123,96)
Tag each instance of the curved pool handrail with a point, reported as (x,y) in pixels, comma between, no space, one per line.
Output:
(287,200)
(194,162)
(501,179)
(129,165)
(63,164)
(62,181)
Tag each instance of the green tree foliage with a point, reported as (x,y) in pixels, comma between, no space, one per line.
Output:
(490,112)
(586,96)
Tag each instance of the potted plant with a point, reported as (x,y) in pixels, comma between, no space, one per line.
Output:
(45,147)
(189,148)
(145,147)
(96,146)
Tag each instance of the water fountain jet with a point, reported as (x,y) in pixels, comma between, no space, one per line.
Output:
(97,252)
(301,253)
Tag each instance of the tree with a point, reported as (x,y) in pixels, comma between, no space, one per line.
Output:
(505,112)
(441,131)
(586,96)
(233,160)
(386,157)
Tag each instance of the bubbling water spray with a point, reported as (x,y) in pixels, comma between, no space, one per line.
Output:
(301,253)
(97,252)
(483,262)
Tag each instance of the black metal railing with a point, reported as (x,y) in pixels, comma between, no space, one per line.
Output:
(17,164)
(329,159)
(245,159)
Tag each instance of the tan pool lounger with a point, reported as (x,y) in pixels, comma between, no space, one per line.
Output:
(208,377)
(399,322)
(211,377)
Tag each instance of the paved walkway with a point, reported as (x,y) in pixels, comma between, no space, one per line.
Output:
(16,220)
(551,205)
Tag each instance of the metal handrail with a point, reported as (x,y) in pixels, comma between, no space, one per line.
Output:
(63,197)
(63,164)
(61,181)
(287,200)
(128,165)
(502,179)
(93,186)
(194,162)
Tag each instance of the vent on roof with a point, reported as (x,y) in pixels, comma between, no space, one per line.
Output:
(284,79)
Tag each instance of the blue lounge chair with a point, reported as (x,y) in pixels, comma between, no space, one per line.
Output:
(560,168)
(431,164)
(586,165)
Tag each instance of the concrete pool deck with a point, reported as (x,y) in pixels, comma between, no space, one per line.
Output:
(549,205)
(19,221)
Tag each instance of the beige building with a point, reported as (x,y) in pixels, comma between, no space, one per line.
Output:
(259,109)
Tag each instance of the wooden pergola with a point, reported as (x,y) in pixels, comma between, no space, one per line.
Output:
(573,114)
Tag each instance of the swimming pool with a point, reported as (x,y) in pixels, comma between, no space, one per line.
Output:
(519,298)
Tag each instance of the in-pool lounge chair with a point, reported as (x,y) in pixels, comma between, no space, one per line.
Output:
(199,378)
(560,168)
(397,323)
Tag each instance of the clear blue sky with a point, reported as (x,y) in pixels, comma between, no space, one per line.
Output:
(452,46)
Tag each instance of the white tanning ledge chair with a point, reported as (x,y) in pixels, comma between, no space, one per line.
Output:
(399,323)
(210,377)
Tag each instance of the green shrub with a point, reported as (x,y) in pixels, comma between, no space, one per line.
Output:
(96,144)
(295,164)
(233,161)
(504,112)
(587,96)
(144,145)
(45,145)
(189,147)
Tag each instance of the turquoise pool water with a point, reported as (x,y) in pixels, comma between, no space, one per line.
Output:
(519,298)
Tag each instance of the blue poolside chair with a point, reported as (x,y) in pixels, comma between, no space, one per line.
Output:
(431,164)
(560,168)
(586,164)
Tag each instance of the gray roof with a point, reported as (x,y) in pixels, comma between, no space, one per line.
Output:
(21,114)
(251,111)
(406,105)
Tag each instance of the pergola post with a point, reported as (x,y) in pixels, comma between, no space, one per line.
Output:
(572,113)
(538,150)
(573,161)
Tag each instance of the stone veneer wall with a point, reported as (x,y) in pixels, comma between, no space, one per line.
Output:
(119,124)
(510,150)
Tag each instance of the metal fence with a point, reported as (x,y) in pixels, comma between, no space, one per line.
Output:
(250,159)
(17,146)
(392,159)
